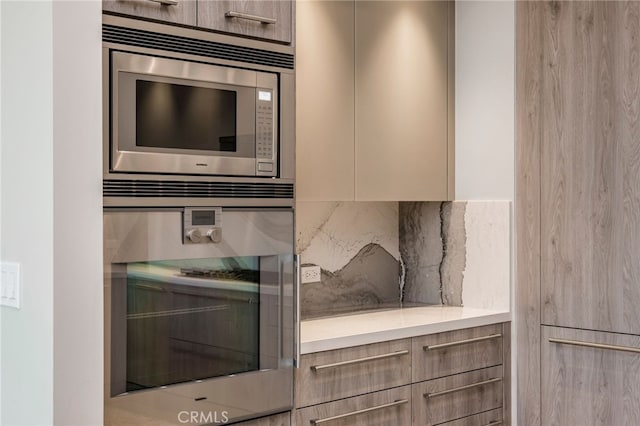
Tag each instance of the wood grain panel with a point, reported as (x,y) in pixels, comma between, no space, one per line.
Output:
(182,13)
(529,47)
(211,14)
(590,192)
(282,419)
(506,373)
(589,386)
(394,415)
(325,63)
(433,363)
(313,387)
(461,403)
(492,418)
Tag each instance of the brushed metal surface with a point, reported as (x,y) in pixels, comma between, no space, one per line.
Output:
(132,235)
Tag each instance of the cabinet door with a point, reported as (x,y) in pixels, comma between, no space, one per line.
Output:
(182,12)
(384,408)
(401,98)
(590,166)
(589,385)
(341,373)
(267,19)
(283,419)
(325,100)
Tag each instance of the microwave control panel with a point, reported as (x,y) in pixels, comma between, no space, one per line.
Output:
(265,137)
(202,225)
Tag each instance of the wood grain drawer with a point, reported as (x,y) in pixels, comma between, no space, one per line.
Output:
(183,12)
(282,419)
(488,418)
(452,352)
(454,397)
(382,408)
(341,373)
(267,19)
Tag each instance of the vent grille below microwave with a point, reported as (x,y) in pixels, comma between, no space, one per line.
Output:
(192,46)
(190,189)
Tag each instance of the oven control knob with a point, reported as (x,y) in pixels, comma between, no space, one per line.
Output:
(215,235)
(194,235)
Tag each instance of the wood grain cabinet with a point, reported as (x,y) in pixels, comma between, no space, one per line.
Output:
(330,375)
(179,12)
(577,211)
(458,380)
(589,378)
(265,19)
(375,92)
(282,419)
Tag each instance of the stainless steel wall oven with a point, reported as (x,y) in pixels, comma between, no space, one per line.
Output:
(198,197)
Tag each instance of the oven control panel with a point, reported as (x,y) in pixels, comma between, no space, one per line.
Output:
(202,225)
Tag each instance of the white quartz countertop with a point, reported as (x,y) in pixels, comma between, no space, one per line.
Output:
(361,329)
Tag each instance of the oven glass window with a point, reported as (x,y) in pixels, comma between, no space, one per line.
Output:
(195,319)
(185,117)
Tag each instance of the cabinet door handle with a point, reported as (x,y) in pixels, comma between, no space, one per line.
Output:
(494,423)
(315,368)
(355,413)
(460,342)
(461,388)
(595,345)
(166,2)
(262,19)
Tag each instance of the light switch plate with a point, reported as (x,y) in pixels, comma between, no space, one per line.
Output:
(10,285)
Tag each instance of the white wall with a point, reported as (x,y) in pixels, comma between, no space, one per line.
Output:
(485,90)
(26,210)
(51,216)
(485,112)
(77,204)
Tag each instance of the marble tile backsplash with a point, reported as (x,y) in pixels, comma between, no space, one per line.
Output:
(379,254)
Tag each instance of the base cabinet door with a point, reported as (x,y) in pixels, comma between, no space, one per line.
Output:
(455,397)
(180,12)
(589,378)
(282,419)
(383,408)
(267,19)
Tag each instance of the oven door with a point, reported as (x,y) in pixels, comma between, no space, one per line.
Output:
(197,332)
(179,117)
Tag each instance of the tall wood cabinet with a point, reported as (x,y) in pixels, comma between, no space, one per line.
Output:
(578,212)
(375,97)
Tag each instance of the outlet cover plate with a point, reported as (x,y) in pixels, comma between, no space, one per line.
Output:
(10,285)
(310,274)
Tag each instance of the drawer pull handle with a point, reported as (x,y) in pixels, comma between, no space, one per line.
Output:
(460,342)
(461,388)
(315,368)
(494,423)
(595,345)
(355,413)
(262,19)
(166,2)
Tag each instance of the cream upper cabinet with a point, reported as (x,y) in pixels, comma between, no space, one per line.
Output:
(375,100)
(325,52)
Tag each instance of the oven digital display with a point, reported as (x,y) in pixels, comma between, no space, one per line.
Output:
(203,218)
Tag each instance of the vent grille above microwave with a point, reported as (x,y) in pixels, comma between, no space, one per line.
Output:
(192,46)
(190,189)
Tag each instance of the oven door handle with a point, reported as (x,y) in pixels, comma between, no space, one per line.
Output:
(296,322)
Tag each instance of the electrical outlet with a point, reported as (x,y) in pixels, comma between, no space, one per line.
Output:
(310,274)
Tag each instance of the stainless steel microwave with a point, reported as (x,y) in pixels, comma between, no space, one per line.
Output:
(175,116)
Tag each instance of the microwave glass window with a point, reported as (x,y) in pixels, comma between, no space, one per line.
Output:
(191,319)
(185,117)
